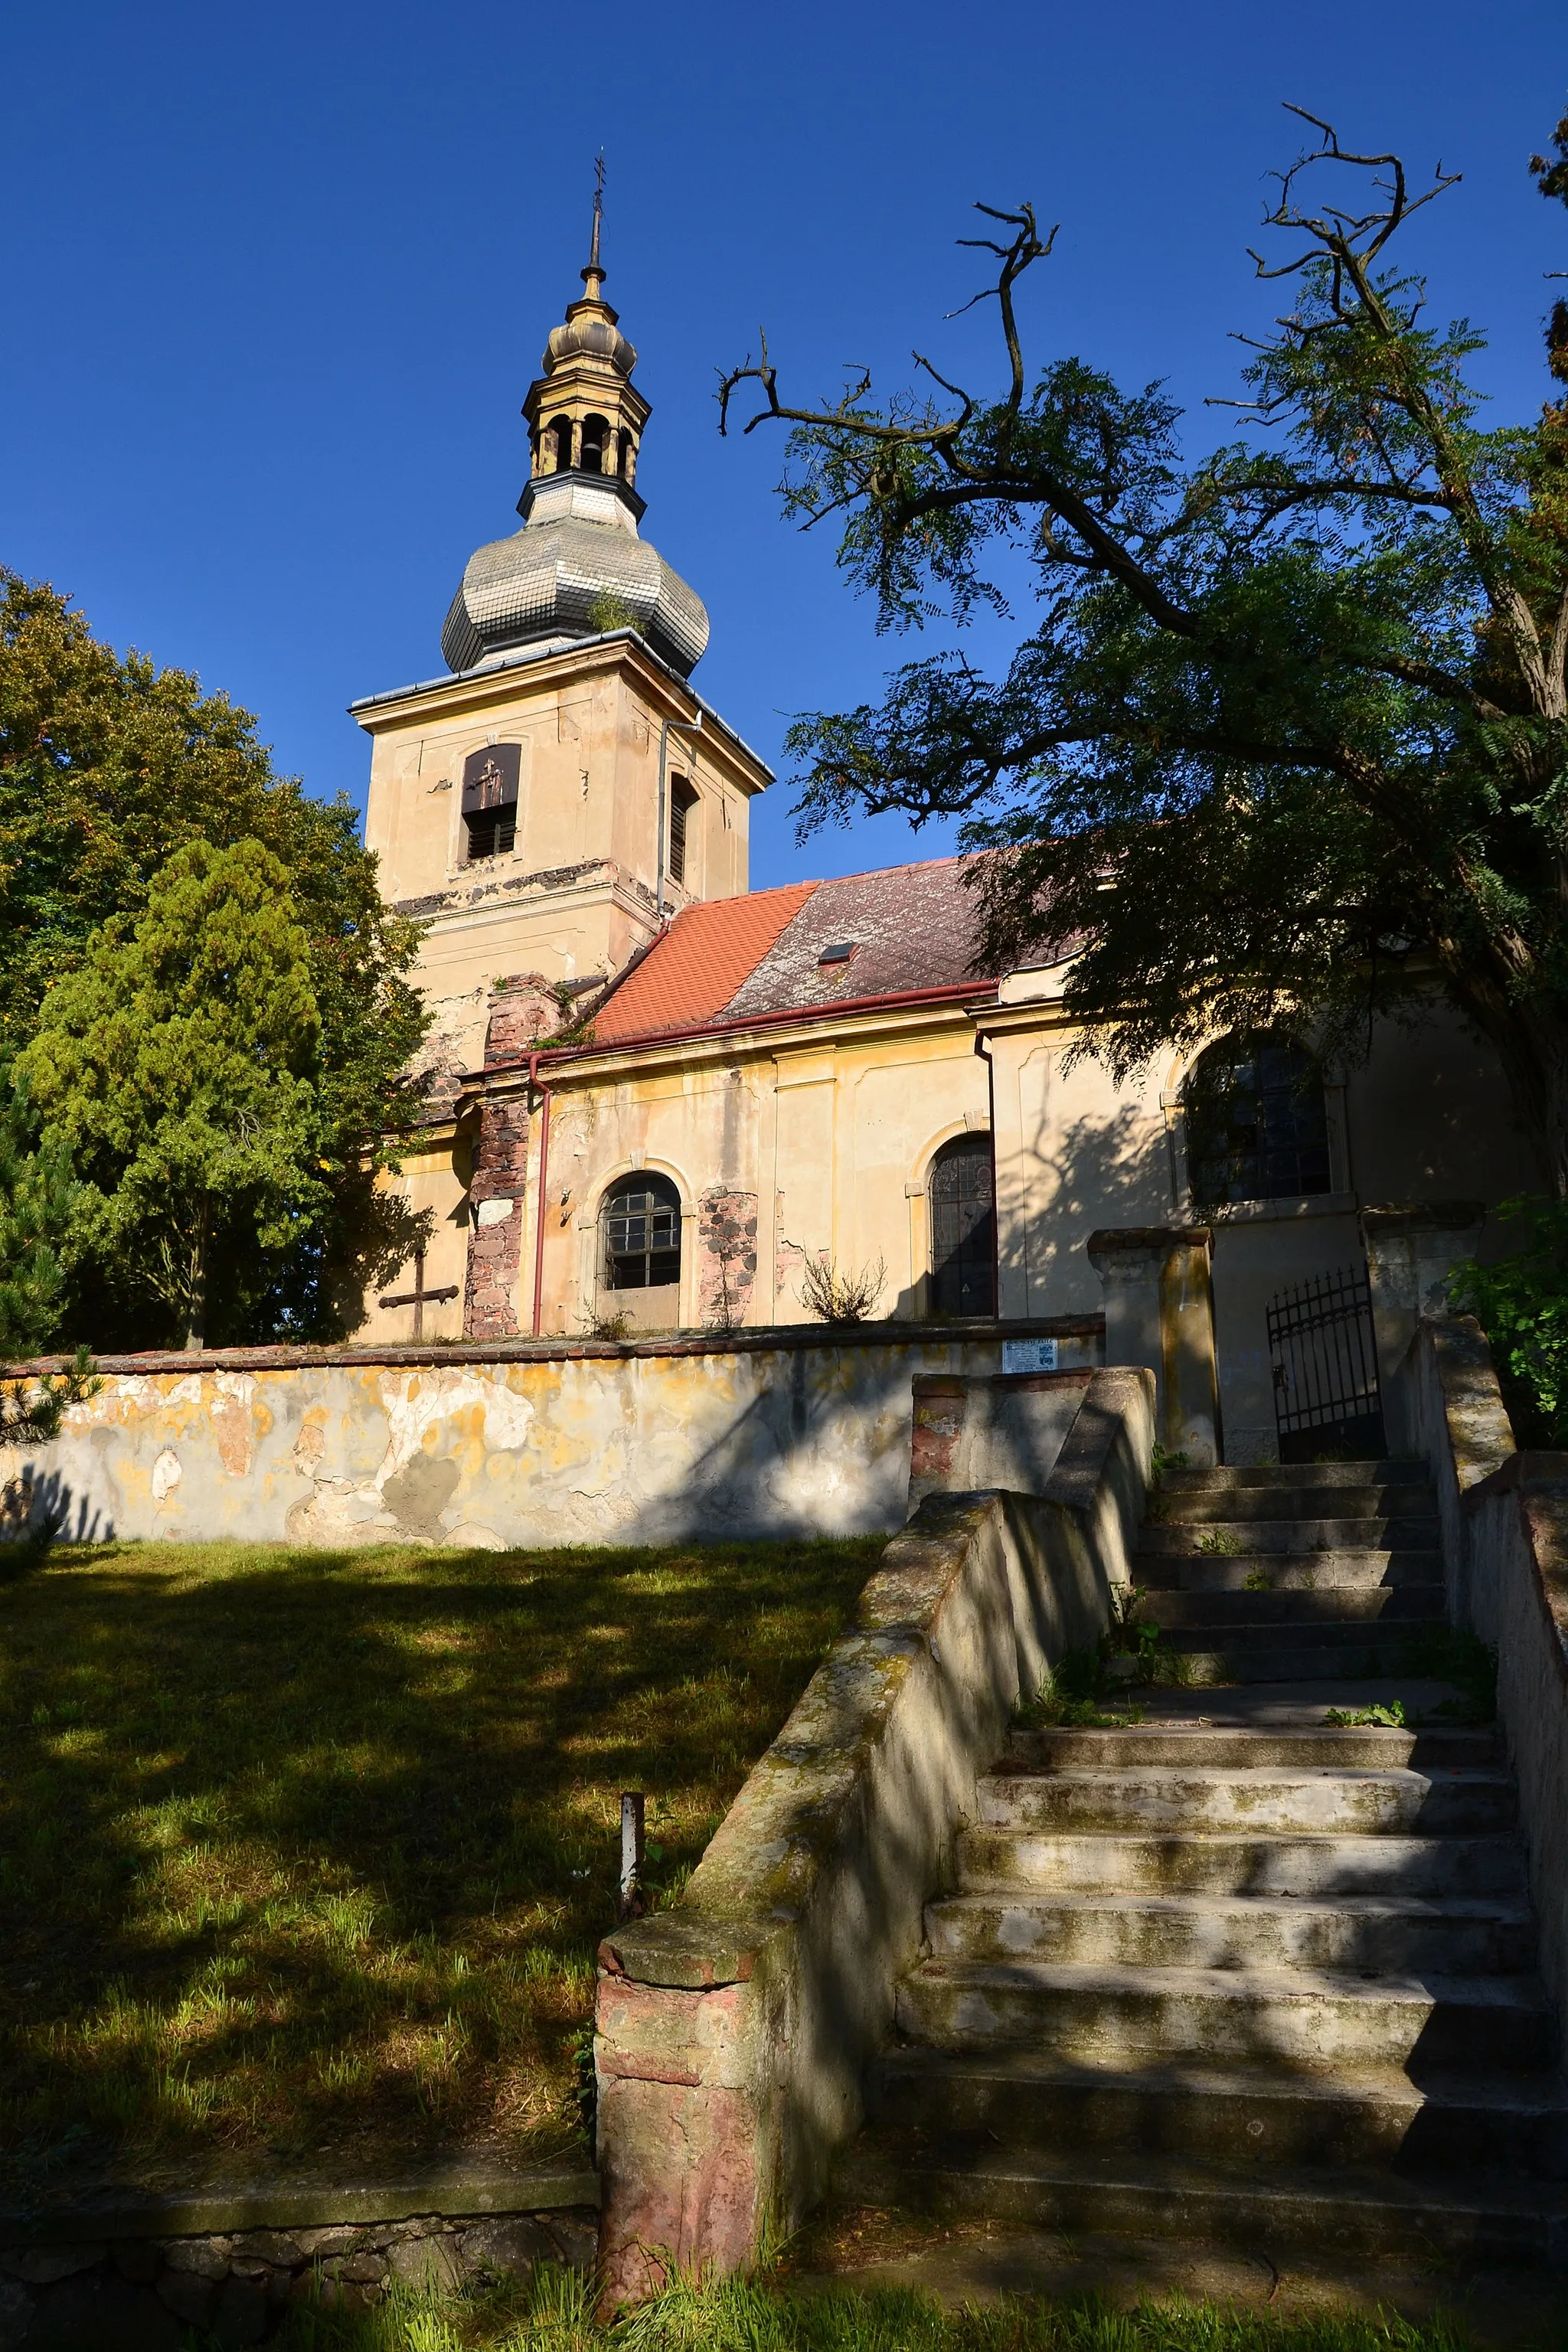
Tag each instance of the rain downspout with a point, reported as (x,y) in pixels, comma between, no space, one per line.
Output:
(542,1198)
(671,727)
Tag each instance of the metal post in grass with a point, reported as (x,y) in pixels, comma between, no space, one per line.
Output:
(632,1809)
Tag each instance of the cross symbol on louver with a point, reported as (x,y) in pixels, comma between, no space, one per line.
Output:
(418,1297)
(491,782)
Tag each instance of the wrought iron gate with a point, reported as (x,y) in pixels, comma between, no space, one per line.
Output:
(1323,1353)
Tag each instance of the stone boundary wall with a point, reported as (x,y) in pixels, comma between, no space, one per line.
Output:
(732,2031)
(1505,1525)
(709,1437)
(71,2280)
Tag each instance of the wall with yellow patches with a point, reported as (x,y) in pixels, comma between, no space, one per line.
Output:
(558,1447)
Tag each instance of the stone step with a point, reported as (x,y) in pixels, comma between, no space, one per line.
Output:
(1301,1653)
(1313,1571)
(1020,2099)
(1189,1540)
(1348,1498)
(1380,1934)
(1362,2214)
(1245,1477)
(1451,1801)
(1362,1746)
(1297,2018)
(1432,1869)
(1439,1706)
(1355,1604)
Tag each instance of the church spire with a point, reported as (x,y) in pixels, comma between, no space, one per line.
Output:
(585,415)
(594,275)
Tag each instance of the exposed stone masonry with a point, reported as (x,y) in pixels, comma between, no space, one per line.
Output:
(727,1243)
(148,2292)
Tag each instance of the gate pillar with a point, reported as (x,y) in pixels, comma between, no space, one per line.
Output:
(1411,1250)
(1159,1311)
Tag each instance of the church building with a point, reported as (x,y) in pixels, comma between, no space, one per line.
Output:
(660,1102)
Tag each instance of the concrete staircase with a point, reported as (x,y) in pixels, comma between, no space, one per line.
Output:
(1235,1975)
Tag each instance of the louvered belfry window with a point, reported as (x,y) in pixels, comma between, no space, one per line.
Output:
(682,800)
(963,1228)
(642,1234)
(490,799)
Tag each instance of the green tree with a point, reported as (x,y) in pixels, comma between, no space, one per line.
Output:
(181,1068)
(1288,741)
(38,1199)
(108,767)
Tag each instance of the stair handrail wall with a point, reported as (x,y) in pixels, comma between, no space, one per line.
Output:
(1504,1517)
(734,2031)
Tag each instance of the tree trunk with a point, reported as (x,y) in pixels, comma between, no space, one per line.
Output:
(1532,1044)
(196,1313)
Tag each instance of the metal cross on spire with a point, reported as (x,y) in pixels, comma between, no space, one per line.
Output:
(599,208)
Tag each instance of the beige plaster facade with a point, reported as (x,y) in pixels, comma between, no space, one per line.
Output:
(797,1112)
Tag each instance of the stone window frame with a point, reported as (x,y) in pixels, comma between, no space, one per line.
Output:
(592,1292)
(1174,1105)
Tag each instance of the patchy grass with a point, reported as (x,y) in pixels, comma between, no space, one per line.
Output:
(742,2316)
(306,1854)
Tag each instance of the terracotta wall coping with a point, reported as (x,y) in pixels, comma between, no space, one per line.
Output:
(756,1339)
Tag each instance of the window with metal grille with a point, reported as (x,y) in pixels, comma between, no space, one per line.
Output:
(963,1228)
(681,800)
(642,1234)
(1257,1126)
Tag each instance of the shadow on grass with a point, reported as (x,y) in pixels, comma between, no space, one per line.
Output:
(303,1854)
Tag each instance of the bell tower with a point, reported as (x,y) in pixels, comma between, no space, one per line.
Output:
(545,806)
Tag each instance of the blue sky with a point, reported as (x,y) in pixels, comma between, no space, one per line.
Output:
(277,281)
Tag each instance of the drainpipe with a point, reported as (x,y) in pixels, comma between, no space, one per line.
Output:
(542,1198)
(675,726)
(983,1050)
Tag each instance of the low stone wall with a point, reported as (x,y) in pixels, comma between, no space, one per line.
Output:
(784,1433)
(733,2029)
(122,2276)
(1505,1524)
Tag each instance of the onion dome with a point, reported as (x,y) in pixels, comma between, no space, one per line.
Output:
(578,567)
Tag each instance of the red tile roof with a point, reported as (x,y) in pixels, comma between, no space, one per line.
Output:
(911,926)
(689,975)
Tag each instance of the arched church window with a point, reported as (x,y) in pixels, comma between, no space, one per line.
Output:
(595,430)
(963,1228)
(641,1228)
(1257,1126)
(562,429)
(682,801)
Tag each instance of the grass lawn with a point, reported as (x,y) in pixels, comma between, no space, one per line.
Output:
(738,2317)
(306,1854)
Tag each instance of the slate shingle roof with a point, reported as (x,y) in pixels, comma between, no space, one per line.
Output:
(909,927)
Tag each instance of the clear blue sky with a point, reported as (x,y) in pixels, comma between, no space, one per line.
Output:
(277,281)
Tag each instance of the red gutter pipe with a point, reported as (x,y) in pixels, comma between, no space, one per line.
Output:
(948,995)
(541,1197)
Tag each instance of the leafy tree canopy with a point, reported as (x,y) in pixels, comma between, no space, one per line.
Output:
(109,769)
(1288,739)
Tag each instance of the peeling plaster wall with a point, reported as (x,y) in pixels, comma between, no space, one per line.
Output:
(552,1449)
